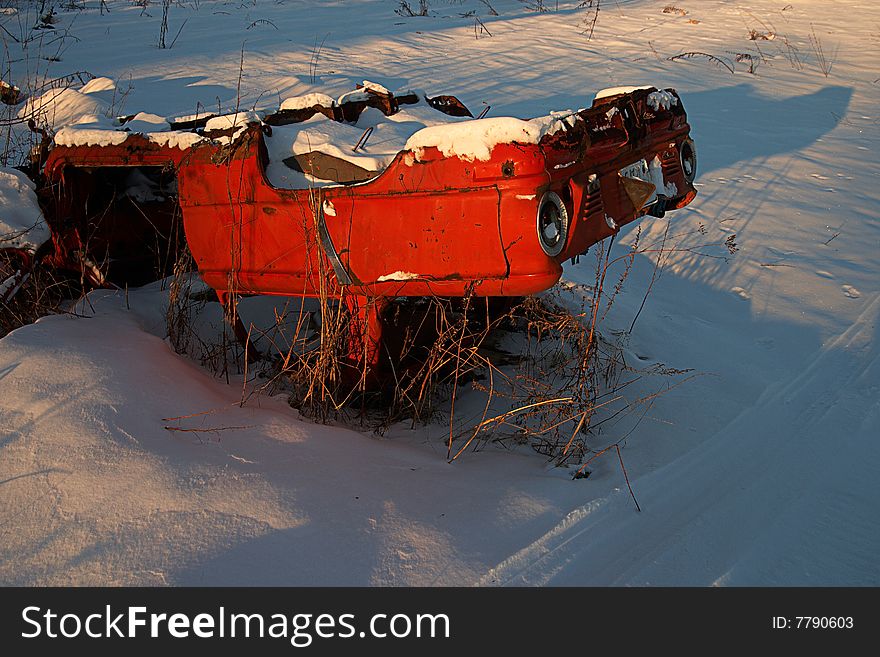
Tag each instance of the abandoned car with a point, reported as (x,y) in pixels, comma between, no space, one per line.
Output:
(377,194)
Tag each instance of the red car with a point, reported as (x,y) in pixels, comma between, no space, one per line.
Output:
(380,194)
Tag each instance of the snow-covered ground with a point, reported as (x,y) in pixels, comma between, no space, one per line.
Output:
(763,470)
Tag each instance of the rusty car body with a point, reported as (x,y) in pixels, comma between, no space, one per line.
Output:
(496,220)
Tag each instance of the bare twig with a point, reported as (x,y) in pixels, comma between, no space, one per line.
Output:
(492,11)
(711,58)
(654,274)
(626,476)
(822,61)
(595,6)
(207,430)
(179,30)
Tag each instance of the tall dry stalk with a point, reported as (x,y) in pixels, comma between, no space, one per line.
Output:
(822,60)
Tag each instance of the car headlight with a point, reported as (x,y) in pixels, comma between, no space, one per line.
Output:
(688,154)
(552,224)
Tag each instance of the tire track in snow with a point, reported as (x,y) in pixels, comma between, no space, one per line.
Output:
(789,477)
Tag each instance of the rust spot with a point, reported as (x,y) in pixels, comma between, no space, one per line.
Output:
(267,209)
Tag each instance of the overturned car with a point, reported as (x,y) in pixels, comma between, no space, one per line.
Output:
(373,195)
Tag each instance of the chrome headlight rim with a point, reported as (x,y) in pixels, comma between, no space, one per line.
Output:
(552,224)
(688,157)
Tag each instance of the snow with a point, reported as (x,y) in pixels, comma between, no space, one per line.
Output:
(21,221)
(306,101)
(474,140)
(398,276)
(183,118)
(60,107)
(81,118)
(363,93)
(655,170)
(388,137)
(174,138)
(145,122)
(234,120)
(617,91)
(100,131)
(375,87)
(90,134)
(156,129)
(761,471)
(661,99)
(656,99)
(237,121)
(318,134)
(98,84)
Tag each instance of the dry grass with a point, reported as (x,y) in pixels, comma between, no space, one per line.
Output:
(32,292)
(672,9)
(702,55)
(29,291)
(824,62)
(406,9)
(534,371)
(593,7)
